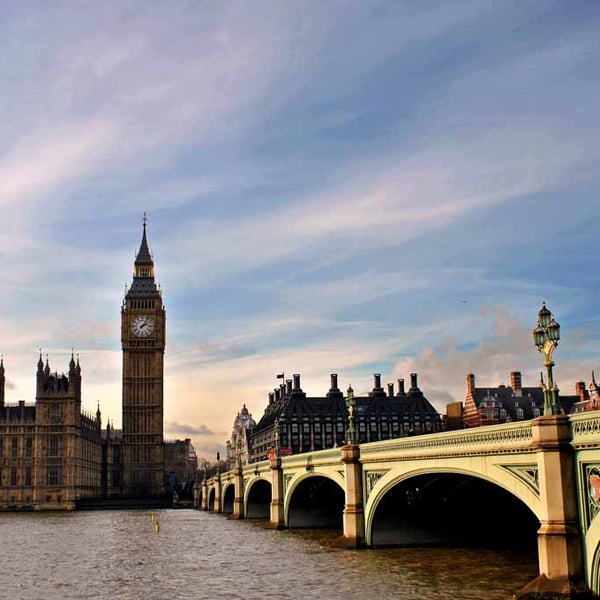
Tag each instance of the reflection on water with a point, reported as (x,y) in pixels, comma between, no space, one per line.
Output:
(118,555)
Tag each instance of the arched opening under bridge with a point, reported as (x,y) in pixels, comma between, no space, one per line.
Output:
(211,499)
(451,509)
(316,502)
(228,497)
(258,504)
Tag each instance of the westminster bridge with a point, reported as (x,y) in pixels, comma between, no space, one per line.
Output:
(536,480)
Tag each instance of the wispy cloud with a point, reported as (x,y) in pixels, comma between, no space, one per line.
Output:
(331,188)
(187,429)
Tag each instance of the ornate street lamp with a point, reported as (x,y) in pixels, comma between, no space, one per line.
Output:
(546,336)
(205,465)
(277,437)
(350,406)
(218,466)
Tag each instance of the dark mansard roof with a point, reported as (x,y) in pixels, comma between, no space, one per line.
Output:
(295,404)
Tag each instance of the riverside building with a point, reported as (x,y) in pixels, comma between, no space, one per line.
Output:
(54,454)
(294,423)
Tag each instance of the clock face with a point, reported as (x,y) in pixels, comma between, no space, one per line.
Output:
(142,326)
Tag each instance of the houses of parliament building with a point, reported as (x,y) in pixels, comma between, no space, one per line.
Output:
(54,454)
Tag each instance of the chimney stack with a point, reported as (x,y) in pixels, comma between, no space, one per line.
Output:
(288,386)
(271,397)
(377,381)
(581,391)
(471,384)
(516,383)
(334,383)
(297,382)
(401,390)
(413,382)
(390,390)
(277,392)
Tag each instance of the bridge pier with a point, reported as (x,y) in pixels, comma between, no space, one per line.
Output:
(560,549)
(277,520)
(238,498)
(197,495)
(354,514)
(217,505)
(204,499)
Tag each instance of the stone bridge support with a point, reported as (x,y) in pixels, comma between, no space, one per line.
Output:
(217,506)
(238,498)
(354,514)
(204,500)
(559,538)
(277,494)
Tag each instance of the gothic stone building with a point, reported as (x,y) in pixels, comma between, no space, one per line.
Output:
(238,446)
(296,423)
(52,453)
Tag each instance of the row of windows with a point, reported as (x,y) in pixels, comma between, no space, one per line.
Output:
(142,303)
(306,436)
(14,477)
(146,454)
(13,447)
(502,414)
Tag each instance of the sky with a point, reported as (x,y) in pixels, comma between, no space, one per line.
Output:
(349,187)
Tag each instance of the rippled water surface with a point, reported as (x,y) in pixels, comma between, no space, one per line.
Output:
(197,555)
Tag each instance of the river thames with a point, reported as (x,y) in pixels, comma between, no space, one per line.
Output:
(196,555)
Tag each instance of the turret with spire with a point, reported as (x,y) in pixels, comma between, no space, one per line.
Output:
(143,284)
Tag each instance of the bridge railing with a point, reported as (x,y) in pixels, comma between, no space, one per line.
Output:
(491,439)
(255,468)
(585,429)
(315,458)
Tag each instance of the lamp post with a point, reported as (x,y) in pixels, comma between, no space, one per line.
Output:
(205,464)
(277,453)
(218,461)
(546,336)
(350,407)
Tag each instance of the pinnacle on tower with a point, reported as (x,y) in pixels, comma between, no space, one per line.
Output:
(143,256)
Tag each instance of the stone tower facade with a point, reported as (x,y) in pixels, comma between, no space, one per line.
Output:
(2,380)
(143,338)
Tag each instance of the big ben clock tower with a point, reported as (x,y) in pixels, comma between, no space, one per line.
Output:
(143,328)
